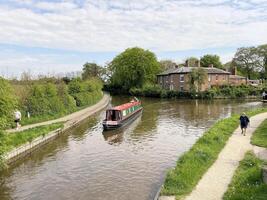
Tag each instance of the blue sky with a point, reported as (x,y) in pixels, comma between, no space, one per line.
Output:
(58,36)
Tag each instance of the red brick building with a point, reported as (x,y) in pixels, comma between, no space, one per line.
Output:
(178,78)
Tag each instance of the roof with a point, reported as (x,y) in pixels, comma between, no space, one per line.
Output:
(184,70)
(237,77)
(126,105)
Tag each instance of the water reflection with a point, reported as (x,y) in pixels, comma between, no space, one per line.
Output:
(115,137)
(126,164)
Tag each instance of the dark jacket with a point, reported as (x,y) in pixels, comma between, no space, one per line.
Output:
(244,120)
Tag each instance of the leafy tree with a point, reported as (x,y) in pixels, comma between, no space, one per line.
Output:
(247,59)
(91,70)
(8,103)
(133,68)
(192,61)
(262,52)
(197,78)
(166,64)
(208,59)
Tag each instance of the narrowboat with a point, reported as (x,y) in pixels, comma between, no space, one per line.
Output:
(122,115)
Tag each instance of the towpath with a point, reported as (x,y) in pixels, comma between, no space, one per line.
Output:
(215,181)
(72,118)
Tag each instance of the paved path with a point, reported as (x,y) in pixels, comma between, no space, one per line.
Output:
(215,181)
(71,118)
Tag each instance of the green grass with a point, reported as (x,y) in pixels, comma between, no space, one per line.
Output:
(247,182)
(13,140)
(259,137)
(191,166)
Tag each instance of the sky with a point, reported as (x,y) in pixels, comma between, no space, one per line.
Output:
(59,36)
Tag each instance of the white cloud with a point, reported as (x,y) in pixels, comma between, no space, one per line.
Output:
(115,25)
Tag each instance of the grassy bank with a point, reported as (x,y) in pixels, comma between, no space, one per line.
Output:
(259,137)
(11,141)
(247,182)
(191,166)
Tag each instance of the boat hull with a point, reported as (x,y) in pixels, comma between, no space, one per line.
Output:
(123,122)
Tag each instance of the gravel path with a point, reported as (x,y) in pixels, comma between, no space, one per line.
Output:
(71,118)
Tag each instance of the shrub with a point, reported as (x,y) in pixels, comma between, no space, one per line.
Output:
(8,103)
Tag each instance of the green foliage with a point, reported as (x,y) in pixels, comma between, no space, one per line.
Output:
(166,64)
(8,103)
(197,78)
(208,59)
(13,140)
(193,164)
(259,137)
(91,70)
(85,92)
(192,61)
(247,182)
(247,60)
(133,68)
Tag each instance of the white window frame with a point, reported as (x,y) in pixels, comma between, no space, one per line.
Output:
(181,77)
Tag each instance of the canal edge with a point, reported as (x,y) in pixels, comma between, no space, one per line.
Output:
(29,147)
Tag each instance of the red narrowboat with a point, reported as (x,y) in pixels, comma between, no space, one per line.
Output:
(122,115)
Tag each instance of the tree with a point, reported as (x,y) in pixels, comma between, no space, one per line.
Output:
(262,52)
(208,59)
(133,68)
(197,78)
(8,103)
(166,64)
(91,70)
(192,61)
(247,59)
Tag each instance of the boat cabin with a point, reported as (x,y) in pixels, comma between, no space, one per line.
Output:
(113,115)
(122,111)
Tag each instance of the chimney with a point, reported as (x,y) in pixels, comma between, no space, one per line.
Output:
(186,63)
(211,65)
(197,63)
(234,70)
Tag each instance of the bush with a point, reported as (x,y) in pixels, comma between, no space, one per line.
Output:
(85,92)
(8,103)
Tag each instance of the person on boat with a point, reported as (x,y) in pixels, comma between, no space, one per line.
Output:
(264,95)
(244,121)
(17,116)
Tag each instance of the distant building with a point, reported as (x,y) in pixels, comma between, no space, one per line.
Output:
(178,78)
(235,79)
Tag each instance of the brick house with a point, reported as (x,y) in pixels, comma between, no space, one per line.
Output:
(178,78)
(235,79)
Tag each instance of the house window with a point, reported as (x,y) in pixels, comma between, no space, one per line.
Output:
(209,78)
(171,76)
(216,77)
(160,79)
(181,77)
(181,88)
(171,87)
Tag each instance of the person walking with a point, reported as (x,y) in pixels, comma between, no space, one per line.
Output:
(244,121)
(17,115)
(264,95)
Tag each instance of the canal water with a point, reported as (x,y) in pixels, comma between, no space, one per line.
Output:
(128,164)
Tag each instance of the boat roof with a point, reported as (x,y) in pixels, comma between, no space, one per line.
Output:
(126,105)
